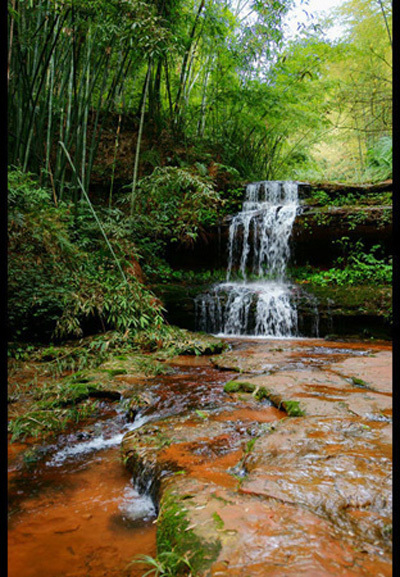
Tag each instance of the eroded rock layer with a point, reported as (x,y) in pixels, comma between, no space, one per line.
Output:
(285,472)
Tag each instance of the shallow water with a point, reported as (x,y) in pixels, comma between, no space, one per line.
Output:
(76,512)
(81,518)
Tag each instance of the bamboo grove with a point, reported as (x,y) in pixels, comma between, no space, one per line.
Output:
(213,71)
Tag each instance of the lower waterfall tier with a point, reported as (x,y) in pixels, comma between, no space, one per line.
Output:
(253,308)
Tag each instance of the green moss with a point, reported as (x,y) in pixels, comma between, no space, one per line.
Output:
(292,408)
(236,386)
(231,387)
(115,372)
(247,387)
(359,382)
(375,300)
(218,521)
(262,393)
(175,535)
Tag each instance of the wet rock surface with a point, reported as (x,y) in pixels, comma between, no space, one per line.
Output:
(291,478)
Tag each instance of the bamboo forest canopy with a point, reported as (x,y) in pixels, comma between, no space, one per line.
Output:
(217,75)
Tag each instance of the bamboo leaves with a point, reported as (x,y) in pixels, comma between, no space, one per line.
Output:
(64,61)
(94,212)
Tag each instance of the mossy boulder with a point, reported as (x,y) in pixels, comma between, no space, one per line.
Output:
(239,386)
(293,408)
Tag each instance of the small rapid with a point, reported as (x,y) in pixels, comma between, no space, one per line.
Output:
(106,439)
(256,299)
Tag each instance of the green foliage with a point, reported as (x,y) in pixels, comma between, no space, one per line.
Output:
(87,353)
(188,277)
(355,267)
(66,60)
(48,417)
(322,198)
(61,274)
(292,408)
(233,199)
(102,294)
(177,202)
(57,400)
(175,341)
(227,98)
(175,535)
(24,195)
(319,197)
(249,446)
(167,563)
(379,160)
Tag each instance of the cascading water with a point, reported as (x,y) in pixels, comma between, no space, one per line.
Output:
(259,246)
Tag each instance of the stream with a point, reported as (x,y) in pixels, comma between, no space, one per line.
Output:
(76,512)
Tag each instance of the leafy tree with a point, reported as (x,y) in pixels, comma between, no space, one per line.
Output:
(362,101)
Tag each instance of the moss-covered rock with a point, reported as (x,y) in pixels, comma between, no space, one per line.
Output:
(293,408)
(239,386)
(174,534)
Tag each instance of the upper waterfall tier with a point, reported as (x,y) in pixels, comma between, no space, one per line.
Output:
(259,234)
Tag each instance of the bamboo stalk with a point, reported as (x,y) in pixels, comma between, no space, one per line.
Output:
(139,138)
(94,212)
(50,114)
(116,145)
(10,42)
(86,109)
(38,91)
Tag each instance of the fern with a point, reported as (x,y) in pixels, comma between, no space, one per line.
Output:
(380,159)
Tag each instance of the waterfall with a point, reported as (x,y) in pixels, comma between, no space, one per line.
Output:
(255,299)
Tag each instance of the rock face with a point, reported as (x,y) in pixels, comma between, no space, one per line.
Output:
(312,241)
(245,489)
(317,228)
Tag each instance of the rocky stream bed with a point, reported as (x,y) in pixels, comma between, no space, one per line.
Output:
(270,459)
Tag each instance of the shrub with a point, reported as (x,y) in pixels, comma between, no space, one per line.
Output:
(379,160)
(62,277)
(177,203)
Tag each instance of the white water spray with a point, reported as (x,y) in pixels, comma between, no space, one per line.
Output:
(259,246)
(97,443)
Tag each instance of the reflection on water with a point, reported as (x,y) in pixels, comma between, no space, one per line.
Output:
(68,527)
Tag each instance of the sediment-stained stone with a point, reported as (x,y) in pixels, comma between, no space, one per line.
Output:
(284,497)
